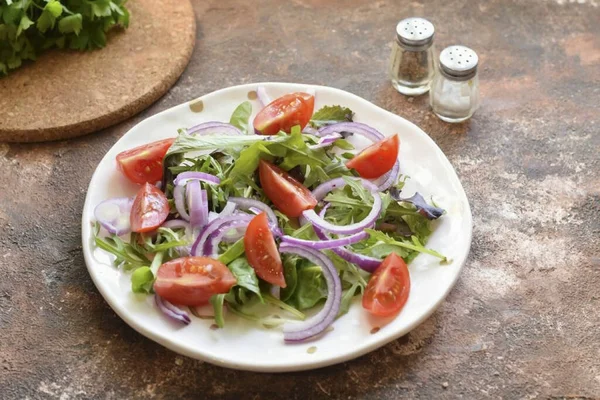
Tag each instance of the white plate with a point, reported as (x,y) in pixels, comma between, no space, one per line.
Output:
(245,345)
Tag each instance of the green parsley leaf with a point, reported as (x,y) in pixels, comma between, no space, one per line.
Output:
(241,115)
(72,23)
(331,115)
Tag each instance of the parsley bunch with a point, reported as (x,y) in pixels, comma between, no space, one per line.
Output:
(28,27)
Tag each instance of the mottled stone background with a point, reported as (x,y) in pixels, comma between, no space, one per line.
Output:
(522,322)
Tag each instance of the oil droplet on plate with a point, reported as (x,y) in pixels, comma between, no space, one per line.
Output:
(311,349)
(375,330)
(252,95)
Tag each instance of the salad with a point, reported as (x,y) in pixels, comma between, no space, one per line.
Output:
(279,213)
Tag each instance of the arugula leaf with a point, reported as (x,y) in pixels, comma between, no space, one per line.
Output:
(429,212)
(415,245)
(311,287)
(347,297)
(331,115)
(291,276)
(241,115)
(187,143)
(245,275)
(233,252)
(142,280)
(217,303)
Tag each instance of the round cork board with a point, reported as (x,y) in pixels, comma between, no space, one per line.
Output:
(66,93)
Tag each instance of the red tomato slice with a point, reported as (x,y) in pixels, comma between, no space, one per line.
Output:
(191,281)
(283,113)
(261,251)
(388,288)
(149,210)
(289,196)
(144,163)
(376,159)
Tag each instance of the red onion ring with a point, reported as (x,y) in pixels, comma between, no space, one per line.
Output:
(326,243)
(326,141)
(213,127)
(197,204)
(199,244)
(184,177)
(298,332)
(263,97)
(113,214)
(179,196)
(352,127)
(172,311)
(368,221)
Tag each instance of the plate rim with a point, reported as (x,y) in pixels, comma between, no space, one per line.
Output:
(293,366)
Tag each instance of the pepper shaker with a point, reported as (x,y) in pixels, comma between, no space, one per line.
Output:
(454,94)
(412,63)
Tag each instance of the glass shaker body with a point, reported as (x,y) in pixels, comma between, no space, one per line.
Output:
(412,63)
(454,94)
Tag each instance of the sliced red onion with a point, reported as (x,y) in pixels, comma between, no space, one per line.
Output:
(172,311)
(327,243)
(198,248)
(352,127)
(176,224)
(263,97)
(326,141)
(113,214)
(298,332)
(197,204)
(366,263)
(184,177)
(214,127)
(368,221)
(251,204)
(228,209)
(310,130)
(179,196)
(211,245)
(389,178)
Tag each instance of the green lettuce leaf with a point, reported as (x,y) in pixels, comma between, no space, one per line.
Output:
(331,115)
(241,115)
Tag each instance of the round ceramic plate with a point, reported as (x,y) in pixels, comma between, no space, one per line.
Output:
(245,345)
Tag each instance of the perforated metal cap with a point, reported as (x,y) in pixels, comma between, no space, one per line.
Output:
(415,31)
(459,61)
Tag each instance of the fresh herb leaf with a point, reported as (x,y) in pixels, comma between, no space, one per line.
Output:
(428,211)
(291,276)
(28,27)
(241,115)
(418,247)
(217,303)
(311,287)
(331,115)
(142,280)
(234,251)
(245,275)
(347,297)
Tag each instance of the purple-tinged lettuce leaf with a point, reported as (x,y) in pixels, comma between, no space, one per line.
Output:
(429,212)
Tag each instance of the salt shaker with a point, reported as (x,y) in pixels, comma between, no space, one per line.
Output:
(412,63)
(454,94)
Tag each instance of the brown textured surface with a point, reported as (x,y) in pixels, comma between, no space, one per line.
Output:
(66,93)
(522,322)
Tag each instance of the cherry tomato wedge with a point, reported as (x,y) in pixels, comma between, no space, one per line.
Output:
(376,159)
(191,281)
(388,288)
(289,196)
(261,251)
(283,113)
(144,163)
(149,210)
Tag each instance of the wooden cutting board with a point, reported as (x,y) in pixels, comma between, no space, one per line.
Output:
(66,93)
